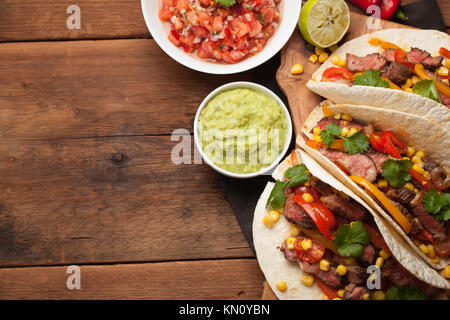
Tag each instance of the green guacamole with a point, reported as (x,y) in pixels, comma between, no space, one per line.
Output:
(242,130)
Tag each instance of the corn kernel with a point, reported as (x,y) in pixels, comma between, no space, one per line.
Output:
(435,260)
(342,63)
(445,81)
(297,69)
(335,59)
(345,132)
(427,175)
(446,272)
(382,183)
(341,293)
(423,248)
(415,79)
(345,122)
(347,117)
(409,186)
(420,153)
(366,296)
(379,295)
(353,131)
(308,197)
(384,254)
(418,168)
(274,215)
(307,183)
(313,58)
(351,261)
(324,265)
(306,244)
(294,230)
(317,138)
(407,84)
(319,51)
(281,285)
(406,158)
(341,270)
(442,71)
(337,299)
(323,57)
(417,242)
(416,190)
(317,130)
(308,280)
(268,221)
(280,210)
(409,90)
(410,151)
(325,297)
(447,63)
(338,116)
(431,252)
(334,47)
(416,159)
(379,262)
(290,243)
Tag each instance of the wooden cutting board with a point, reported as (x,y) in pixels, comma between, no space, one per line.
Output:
(301,100)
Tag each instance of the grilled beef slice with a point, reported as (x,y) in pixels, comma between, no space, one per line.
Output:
(438,174)
(295,214)
(389,54)
(322,187)
(428,221)
(354,292)
(398,73)
(377,157)
(356,274)
(330,277)
(421,56)
(368,256)
(360,64)
(347,210)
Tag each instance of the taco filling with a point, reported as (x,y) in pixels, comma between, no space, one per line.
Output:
(334,240)
(409,184)
(415,71)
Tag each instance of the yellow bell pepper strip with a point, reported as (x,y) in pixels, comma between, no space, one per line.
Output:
(388,205)
(383,44)
(391,84)
(420,71)
(326,111)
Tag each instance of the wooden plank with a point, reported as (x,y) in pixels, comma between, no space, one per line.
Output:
(22,20)
(215,279)
(302,100)
(76,89)
(74,201)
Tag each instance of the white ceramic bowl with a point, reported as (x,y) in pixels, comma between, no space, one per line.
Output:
(258,88)
(289,10)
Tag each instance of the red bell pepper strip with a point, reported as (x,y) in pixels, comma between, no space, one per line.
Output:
(376,238)
(364,4)
(375,141)
(320,214)
(426,183)
(391,9)
(294,160)
(392,145)
(330,292)
(444,52)
(335,73)
(400,57)
(301,189)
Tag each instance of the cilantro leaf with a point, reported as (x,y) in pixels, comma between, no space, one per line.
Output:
(396,171)
(350,240)
(405,293)
(357,142)
(370,78)
(277,198)
(438,204)
(297,174)
(327,136)
(225,3)
(427,89)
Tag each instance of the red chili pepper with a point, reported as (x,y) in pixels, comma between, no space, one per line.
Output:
(444,52)
(390,9)
(330,292)
(364,4)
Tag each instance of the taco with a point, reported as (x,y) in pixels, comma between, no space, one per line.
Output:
(397,162)
(316,239)
(398,69)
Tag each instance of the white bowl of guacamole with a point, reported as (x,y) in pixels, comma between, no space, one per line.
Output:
(242,130)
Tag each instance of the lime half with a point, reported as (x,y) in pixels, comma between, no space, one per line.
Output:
(324,22)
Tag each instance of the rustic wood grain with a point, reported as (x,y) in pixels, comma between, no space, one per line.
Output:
(22,20)
(211,279)
(80,89)
(268,294)
(302,100)
(116,199)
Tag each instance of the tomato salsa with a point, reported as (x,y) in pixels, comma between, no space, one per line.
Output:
(215,31)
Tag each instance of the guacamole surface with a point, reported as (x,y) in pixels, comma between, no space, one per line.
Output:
(242,130)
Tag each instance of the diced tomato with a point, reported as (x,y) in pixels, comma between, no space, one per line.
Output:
(315,253)
(205,2)
(174,38)
(268,14)
(164,14)
(233,56)
(199,31)
(335,73)
(182,5)
(202,53)
(178,25)
(241,43)
(243,29)
(169,3)
(268,31)
(217,23)
(255,28)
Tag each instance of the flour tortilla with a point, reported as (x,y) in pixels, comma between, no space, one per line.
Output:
(415,131)
(399,100)
(275,266)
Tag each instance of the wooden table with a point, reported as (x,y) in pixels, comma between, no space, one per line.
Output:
(86,118)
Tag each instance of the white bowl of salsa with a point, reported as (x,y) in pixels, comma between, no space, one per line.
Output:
(242,130)
(217,39)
